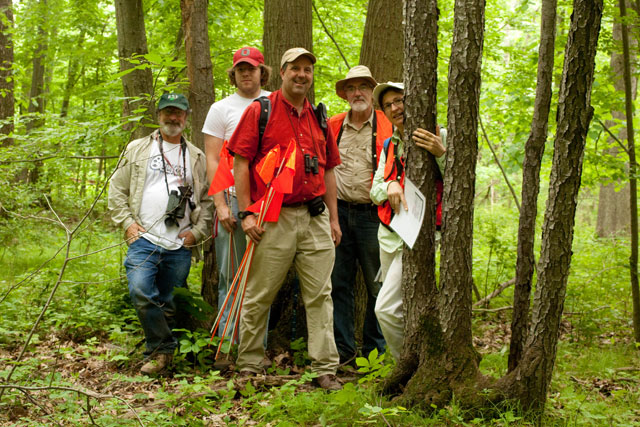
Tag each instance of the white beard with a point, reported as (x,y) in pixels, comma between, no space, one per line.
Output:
(359,107)
(171,129)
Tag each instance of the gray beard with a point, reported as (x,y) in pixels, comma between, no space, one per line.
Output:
(170,129)
(359,107)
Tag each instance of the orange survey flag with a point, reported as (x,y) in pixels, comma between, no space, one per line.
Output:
(284,181)
(223,178)
(267,165)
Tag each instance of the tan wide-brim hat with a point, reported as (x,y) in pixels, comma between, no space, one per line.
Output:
(295,53)
(357,72)
(379,90)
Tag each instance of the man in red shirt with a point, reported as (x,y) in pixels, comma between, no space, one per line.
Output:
(305,234)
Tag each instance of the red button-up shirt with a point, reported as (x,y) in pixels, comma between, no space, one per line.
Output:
(285,124)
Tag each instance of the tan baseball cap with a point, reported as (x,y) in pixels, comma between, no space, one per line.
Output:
(357,72)
(294,53)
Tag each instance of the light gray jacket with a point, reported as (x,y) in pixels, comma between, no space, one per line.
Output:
(127,183)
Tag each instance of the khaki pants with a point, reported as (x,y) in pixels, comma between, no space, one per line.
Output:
(305,241)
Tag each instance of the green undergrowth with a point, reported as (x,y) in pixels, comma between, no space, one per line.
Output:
(90,340)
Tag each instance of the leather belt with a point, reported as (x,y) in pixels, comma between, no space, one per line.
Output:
(357,206)
(293,205)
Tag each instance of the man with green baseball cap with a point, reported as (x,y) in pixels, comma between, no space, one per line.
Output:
(158,195)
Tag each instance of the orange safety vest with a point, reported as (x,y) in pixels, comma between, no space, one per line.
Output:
(393,168)
(382,129)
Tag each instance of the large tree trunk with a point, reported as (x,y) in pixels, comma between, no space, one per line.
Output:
(530,380)
(438,325)
(138,84)
(7,100)
(36,92)
(534,149)
(382,42)
(287,24)
(420,293)
(199,68)
(74,72)
(613,206)
(201,96)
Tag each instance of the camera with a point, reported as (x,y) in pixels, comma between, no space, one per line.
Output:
(177,204)
(316,206)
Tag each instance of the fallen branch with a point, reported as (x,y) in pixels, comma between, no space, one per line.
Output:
(580,313)
(493,310)
(495,293)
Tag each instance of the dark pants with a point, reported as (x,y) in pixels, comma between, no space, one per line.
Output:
(359,245)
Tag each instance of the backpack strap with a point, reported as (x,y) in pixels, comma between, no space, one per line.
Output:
(321,116)
(265,113)
(374,137)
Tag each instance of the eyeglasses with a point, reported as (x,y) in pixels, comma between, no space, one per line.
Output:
(396,103)
(362,88)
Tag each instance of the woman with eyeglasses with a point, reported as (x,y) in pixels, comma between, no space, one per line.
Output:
(387,191)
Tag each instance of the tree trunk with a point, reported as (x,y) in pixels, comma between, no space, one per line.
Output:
(633,191)
(287,24)
(613,206)
(531,378)
(138,84)
(438,325)
(7,100)
(383,41)
(199,68)
(201,96)
(36,92)
(74,71)
(534,149)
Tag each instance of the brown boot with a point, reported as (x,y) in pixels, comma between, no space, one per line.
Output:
(328,382)
(158,363)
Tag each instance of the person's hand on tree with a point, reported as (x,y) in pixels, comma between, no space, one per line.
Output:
(189,239)
(395,195)
(225,217)
(252,229)
(133,232)
(430,142)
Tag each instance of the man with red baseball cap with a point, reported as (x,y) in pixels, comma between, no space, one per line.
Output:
(248,74)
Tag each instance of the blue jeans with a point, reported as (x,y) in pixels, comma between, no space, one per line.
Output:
(359,245)
(153,272)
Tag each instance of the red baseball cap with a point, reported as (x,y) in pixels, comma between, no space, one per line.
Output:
(248,54)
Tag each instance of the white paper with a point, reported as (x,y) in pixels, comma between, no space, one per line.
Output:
(408,223)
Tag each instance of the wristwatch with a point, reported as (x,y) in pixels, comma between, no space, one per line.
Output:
(243,214)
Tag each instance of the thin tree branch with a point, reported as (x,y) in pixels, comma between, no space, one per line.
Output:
(54,156)
(495,156)
(615,138)
(326,30)
(495,293)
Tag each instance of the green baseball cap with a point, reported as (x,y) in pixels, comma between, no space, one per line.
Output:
(173,100)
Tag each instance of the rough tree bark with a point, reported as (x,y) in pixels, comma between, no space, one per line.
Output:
(36,91)
(287,24)
(201,96)
(7,100)
(383,40)
(530,380)
(438,324)
(534,149)
(633,190)
(138,84)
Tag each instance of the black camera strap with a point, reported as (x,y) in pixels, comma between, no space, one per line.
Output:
(183,148)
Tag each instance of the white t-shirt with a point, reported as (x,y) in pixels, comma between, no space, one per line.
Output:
(155,197)
(224,115)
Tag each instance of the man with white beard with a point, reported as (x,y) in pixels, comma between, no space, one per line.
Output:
(361,132)
(158,195)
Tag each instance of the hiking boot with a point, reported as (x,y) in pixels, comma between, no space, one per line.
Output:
(328,382)
(223,365)
(158,363)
